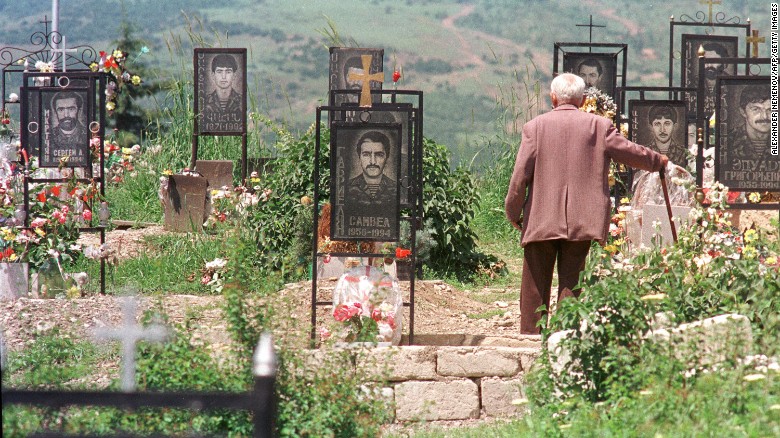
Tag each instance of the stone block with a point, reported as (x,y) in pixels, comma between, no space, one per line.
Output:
(434,401)
(498,395)
(709,341)
(219,173)
(478,361)
(185,203)
(401,363)
(14,280)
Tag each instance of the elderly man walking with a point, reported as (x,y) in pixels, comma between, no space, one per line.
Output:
(559,193)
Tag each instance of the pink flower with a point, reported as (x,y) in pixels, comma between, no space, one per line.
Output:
(390,320)
(376,315)
(344,312)
(38,222)
(86,214)
(324,333)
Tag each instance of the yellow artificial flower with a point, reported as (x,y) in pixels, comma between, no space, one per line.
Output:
(167,172)
(117,53)
(749,252)
(136,80)
(771,260)
(40,232)
(653,297)
(751,235)
(110,106)
(754,197)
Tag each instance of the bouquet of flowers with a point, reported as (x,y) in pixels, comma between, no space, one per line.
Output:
(114,64)
(367,302)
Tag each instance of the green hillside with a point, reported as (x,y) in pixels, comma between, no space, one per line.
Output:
(465,55)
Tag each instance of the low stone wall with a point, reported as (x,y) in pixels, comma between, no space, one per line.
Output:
(446,382)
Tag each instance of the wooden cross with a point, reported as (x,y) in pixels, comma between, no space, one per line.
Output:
(754,40)
(366,78)
(710,3)
(63,55)
(129,333)
(591,26)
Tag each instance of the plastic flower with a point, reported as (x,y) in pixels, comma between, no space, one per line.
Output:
(754,197)
(402,253)
(135,80)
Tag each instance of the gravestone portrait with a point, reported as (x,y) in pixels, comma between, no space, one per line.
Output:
(365,164)
(346,60)
(391,113)
(744,159)
(599,70)
(220,91)
(65,137)
(661,126)
(714,46)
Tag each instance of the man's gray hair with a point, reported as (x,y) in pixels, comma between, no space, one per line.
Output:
(568,87)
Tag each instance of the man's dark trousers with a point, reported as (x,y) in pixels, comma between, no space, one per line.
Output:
(538,262)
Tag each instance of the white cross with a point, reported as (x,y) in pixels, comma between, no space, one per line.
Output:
(129,333)
(62,51)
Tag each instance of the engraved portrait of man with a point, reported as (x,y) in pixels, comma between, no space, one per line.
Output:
(372,186)
(68,134)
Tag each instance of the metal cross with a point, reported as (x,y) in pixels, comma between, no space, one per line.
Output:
(45,22)
(710,3)
(591,26)
(366,78)
(129,333)
(755,40)
(63,50)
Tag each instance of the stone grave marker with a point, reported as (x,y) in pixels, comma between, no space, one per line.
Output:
(219,173)
(185,203)
(652,215)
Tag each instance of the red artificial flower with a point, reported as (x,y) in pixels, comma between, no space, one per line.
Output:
(41,197)
(344,312)
(401,253)
(7,253)
(376,315)
(6,121)
(55,191)
(396,75)
(87,214)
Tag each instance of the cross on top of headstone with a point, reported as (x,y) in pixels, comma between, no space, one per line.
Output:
(45,22)
(129,333)
(62,50)
(754,40)
(590,30)
(366,78)
(709,3)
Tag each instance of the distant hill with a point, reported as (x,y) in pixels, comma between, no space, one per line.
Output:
(465,55)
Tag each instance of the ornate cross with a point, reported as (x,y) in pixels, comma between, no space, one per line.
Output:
(366,78)
(129,333)
(754,40)
(710,3)
(591,26)
(63,52)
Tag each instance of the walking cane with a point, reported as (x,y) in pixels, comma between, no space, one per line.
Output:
(662,174)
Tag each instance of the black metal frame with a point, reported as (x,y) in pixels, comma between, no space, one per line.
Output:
(621,101)
(415,210)
(12,60)
(684,79)
(200,96)
(688,21)
(617,51)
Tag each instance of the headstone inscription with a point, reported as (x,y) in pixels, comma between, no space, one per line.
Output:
(220,91)
(129,333)
(743,151)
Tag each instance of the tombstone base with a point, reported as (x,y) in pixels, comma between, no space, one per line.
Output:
(185,203)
